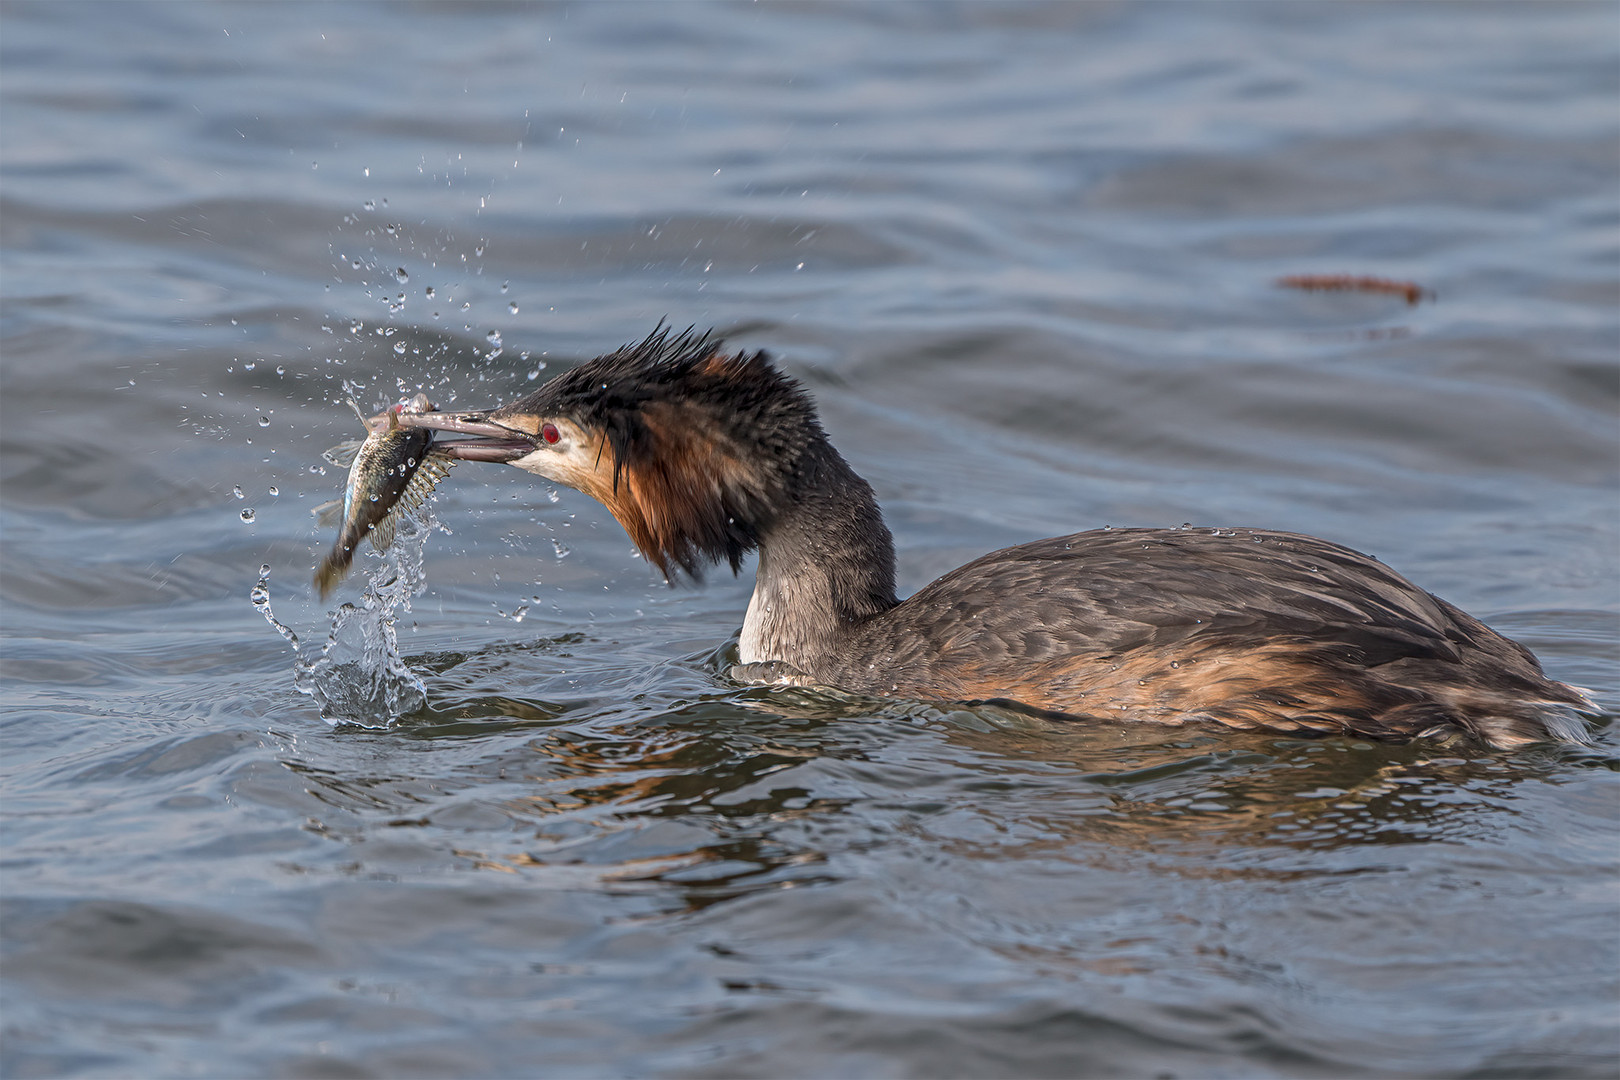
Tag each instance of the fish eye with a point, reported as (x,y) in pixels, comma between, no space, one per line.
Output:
(550,433)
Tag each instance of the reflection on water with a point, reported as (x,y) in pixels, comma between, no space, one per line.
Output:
(736,802)
(1025,257)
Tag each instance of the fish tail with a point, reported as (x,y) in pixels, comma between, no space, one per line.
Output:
(327,576)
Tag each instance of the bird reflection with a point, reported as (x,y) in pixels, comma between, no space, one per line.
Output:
(721,798)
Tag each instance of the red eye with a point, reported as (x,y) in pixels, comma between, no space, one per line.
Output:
(550,433)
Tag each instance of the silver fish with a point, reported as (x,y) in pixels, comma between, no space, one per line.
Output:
(390,472)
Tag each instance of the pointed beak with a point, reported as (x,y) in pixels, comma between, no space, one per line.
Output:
(491,441)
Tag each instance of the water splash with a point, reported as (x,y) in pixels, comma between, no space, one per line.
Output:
(261,603)
(359,676)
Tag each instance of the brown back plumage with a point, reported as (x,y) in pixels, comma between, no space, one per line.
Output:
(1247,628)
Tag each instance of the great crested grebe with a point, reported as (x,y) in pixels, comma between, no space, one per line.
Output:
(704,456)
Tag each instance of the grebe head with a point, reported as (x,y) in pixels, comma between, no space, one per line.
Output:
(692,449)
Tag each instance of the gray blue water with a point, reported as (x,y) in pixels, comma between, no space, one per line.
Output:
(1024,255)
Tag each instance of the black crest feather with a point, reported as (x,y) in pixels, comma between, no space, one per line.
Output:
(704,444)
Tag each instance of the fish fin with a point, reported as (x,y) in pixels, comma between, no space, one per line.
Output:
(328,513)
(421,484)
(434,467)
(343,454)
(382,533)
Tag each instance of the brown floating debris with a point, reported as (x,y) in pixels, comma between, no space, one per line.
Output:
(1351,283)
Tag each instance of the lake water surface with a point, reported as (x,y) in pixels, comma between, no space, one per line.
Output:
(1024,256)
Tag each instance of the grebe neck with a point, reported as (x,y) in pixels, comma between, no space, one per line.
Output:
(826,564)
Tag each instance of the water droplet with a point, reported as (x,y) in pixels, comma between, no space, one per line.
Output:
(371,204)
(504,286)
(401,276)
(493,337)
(237,491)
(280,369)
(479,250)
(274,490)
(512,307)
(516,615)
(428,292)
(260,595)
(399,347)
(247,515)
(560,548)
(264,421)
(249,365)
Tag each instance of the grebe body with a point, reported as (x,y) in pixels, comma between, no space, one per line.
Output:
(704,456)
